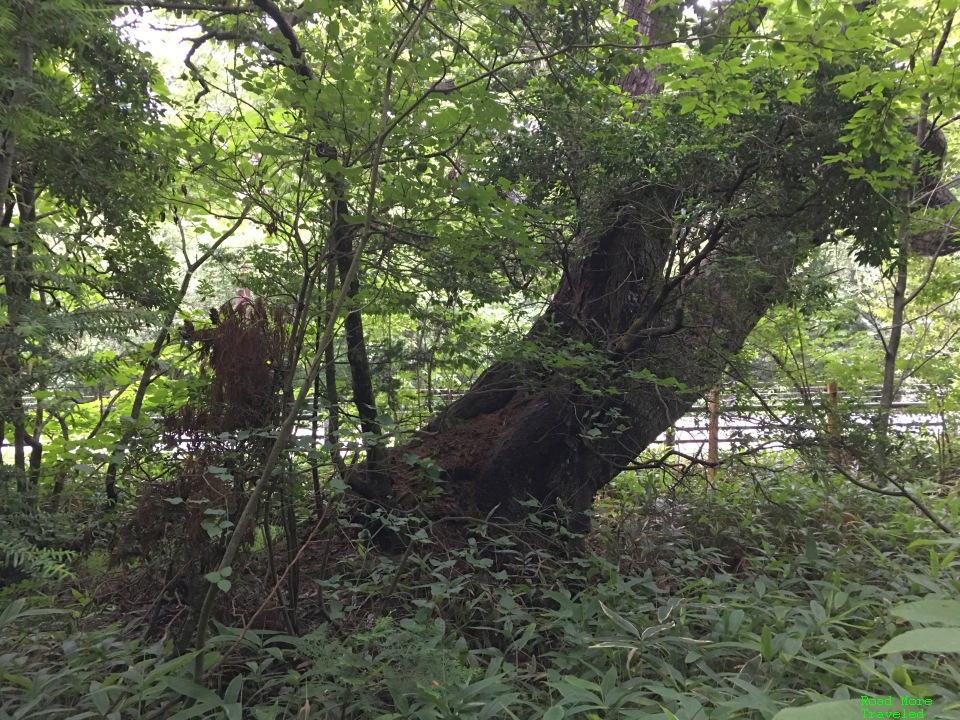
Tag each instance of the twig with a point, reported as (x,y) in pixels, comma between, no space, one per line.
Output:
(901,492)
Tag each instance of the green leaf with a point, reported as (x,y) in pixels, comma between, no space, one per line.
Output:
(555,712)
(15,611)
(168,667)
(687,104)
(901,676)
(818,611)
(810,550)
(11,611)
(20,680)
(99,697)
(195,711)
(930,611)
(836,710)
(934,640)
(582,684)
(188,688)
(620,621)
(766,643)
(649,632)
(735,620)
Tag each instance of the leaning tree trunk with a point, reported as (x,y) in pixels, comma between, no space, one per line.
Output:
(648,314)
(531,429)
(640,327)
(642,324)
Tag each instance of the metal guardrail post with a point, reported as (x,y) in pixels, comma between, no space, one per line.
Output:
(713,434)
(833,421)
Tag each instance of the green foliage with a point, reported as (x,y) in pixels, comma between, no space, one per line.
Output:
(104,673)
(19,554)
(705,607)
(88,145)
(930,610)
(31,543)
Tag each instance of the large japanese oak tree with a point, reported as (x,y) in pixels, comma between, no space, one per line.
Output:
(696,208)
(654,303)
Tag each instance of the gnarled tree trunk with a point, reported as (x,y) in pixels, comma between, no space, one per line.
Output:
(648,300)
(649,345)
(648,313)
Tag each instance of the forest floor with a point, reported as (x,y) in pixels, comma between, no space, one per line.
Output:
(774,589)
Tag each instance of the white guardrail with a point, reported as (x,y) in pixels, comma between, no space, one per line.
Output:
(740,423)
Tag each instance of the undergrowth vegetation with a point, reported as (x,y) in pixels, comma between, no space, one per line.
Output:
(732,602)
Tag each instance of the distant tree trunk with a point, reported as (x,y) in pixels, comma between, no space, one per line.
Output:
(931,191)
(891,351)
(16,262)
(330,375)
(378,484)
(640,81)
(713,435)
(18,283)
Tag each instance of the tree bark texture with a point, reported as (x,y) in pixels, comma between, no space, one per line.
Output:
(640,81)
